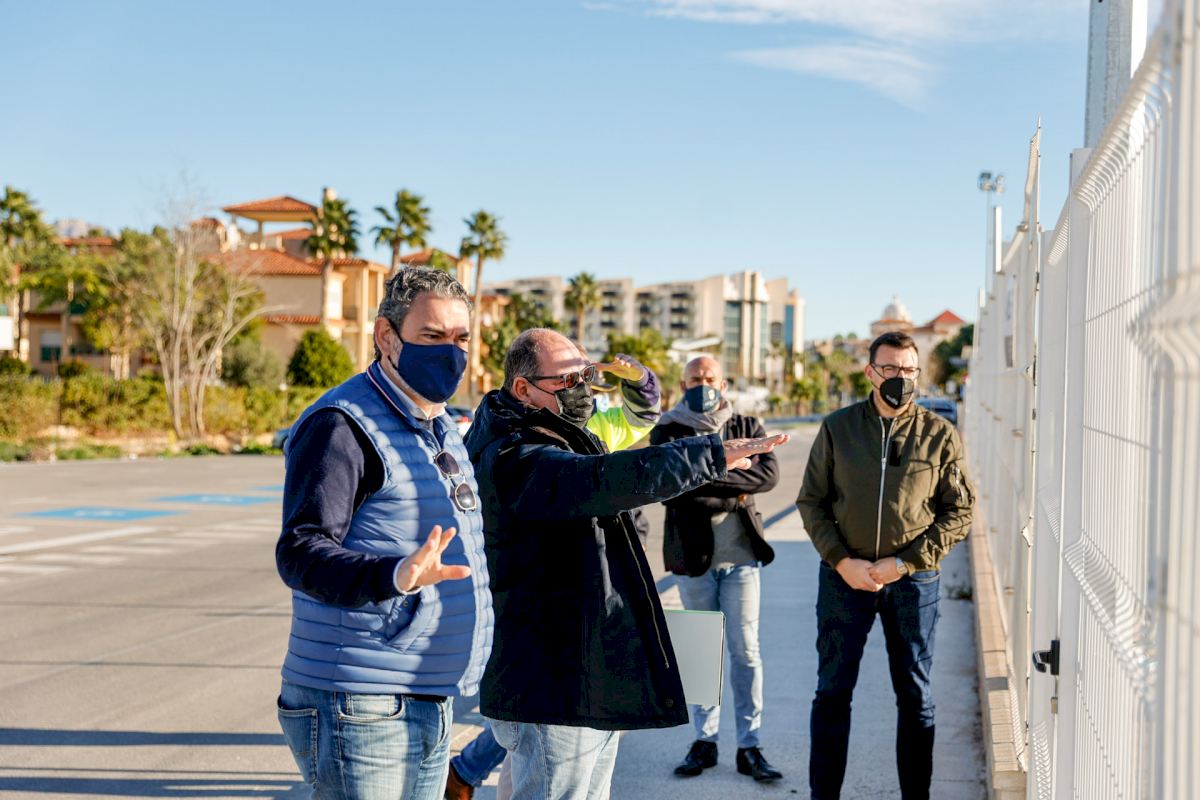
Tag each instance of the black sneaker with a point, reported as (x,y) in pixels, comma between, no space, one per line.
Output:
(700,757)
(750,761)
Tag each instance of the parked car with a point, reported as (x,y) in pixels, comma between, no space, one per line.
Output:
(942,406)
(462,416)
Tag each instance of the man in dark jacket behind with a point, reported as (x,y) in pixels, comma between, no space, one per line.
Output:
(581,647)
(714,542)
(884,500)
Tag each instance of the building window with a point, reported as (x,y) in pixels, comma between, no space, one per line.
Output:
(789,327)
(776,333)
(733,328)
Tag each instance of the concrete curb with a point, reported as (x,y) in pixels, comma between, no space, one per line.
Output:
(1006,777)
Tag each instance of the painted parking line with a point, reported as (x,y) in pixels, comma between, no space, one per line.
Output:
(99,513)
(30,569)
(80,559)
(64,541)
(219,499)
(129,550)
(5,530)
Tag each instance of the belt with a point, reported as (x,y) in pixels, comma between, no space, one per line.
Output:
(428,698)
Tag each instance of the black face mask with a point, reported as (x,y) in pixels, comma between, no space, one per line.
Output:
(575,404)
(897,392)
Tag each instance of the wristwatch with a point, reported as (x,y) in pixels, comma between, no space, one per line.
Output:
(901,567)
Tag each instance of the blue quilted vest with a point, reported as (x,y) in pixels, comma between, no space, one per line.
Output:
(434,642)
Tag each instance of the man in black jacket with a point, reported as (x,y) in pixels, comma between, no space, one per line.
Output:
(581,647)
(714,543)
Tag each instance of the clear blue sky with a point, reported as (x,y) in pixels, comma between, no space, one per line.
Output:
(834,142)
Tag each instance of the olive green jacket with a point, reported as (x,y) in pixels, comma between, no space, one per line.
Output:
(871,491)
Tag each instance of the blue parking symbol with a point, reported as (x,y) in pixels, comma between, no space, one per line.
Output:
(219,499)
(99,513)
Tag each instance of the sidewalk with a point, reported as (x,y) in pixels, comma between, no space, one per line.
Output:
(788,630)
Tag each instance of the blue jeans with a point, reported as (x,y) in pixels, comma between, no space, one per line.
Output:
(558,762)
(908,610)
(735,591)
(367,746)
(477,760)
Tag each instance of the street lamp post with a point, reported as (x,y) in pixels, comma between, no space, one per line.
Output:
(990,186)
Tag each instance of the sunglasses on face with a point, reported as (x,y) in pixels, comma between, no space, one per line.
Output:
(462,495)
(570,379)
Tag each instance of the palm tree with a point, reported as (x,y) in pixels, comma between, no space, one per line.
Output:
(21,231)
(582,296)
(408,226)
(484,241)
(334,235)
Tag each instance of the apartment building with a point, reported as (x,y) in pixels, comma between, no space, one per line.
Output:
(759,323)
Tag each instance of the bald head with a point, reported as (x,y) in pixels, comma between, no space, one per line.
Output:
(540,355)
(704,371)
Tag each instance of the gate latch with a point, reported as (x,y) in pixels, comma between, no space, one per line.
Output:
(1047,658)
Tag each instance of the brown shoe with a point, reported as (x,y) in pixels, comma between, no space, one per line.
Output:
(457,788)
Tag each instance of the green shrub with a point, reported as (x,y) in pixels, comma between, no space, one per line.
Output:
(202,450)
(12,451)
(11,365)
(104,405)
(256,449)
(319,360)
(248,363)
(225,409)
(84,452)
(27,406)
(300,398)
(73,369)
(265,411)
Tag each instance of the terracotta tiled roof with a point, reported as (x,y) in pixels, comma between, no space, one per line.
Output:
(282,203)
(947,317)
(88,241)
(293,233)
(348,262)
(267,262)
(293,319)
(423,256)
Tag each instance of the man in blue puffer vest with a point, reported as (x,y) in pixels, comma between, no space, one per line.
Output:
(391,613)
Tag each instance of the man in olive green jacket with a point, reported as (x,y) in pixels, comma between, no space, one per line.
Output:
(884,499)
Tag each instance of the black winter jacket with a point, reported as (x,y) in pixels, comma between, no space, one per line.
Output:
(580,637)
(688,533)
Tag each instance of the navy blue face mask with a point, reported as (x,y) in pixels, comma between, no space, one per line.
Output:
(702,399)
(433,371)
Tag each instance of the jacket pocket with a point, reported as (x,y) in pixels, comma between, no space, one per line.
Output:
(300,732)
(410,617)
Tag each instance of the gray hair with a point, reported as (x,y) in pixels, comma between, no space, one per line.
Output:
(403,289)
(523,359)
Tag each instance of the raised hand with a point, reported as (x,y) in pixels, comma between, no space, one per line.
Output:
(739,451)
(425,567)
(624,367)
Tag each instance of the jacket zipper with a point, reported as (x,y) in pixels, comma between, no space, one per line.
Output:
(885,438)
(958,487)
(661,647)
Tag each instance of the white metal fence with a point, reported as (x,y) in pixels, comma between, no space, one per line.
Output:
(1083,424)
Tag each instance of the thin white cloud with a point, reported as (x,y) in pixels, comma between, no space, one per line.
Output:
(884,19)
(905,20)
(889,39)
(892,71)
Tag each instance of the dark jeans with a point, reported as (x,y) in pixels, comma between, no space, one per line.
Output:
(908,610)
